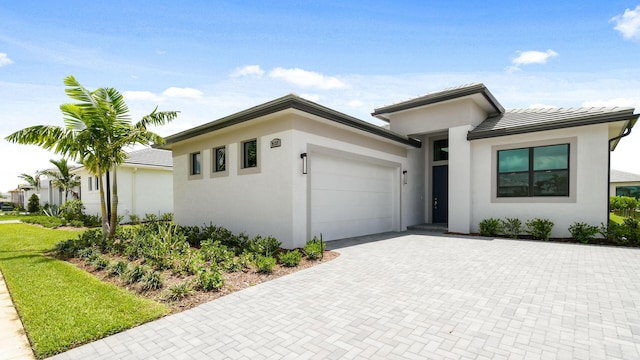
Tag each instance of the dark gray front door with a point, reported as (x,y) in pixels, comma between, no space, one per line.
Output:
(440,187)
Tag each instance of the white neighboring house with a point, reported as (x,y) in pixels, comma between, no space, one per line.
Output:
(295,169)
(145,185)
(624,184)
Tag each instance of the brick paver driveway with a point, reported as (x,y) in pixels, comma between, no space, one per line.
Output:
(415,297)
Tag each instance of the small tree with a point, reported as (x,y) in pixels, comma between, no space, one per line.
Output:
(33,206)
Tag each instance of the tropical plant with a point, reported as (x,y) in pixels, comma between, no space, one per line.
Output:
(511,227)
(290,258)
(33,206)
(314,249)
(97,128)
(61,177)
(583,232)
(490,227)
(264,264)
(539,228)
(32,180)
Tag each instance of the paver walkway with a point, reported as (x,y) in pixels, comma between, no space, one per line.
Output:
(415,297)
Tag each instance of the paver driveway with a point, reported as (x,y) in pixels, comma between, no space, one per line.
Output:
(415,297)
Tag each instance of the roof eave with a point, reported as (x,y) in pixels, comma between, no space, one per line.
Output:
(592,120)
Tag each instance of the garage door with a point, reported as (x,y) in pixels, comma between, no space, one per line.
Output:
(352,197)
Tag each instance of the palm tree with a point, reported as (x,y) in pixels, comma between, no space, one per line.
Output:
(61,177)
(97,129)
(32,180)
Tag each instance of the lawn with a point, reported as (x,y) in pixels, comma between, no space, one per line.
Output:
(616,218)
(60,305)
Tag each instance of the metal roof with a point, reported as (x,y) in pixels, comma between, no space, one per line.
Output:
(521,121)
(441,96)
(150,157)
(622,176)
(292,101)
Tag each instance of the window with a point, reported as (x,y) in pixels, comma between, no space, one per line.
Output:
(90,183)
(250,154)
(196,161)
(219,159)
(632,191)
(441,150)
(534,171)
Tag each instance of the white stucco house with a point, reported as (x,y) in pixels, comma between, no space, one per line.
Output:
(145,185)
(295,169)
(622,183)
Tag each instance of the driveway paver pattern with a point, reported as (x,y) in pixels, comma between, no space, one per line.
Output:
(414,297)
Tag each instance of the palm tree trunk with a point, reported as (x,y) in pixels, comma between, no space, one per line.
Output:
(114,203)
(103,206)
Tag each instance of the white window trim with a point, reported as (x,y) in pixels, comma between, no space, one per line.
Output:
(573,172)
(214,159)
(251,170)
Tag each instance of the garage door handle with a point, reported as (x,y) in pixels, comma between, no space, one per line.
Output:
(435,203)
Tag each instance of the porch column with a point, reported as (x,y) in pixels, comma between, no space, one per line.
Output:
(459,180)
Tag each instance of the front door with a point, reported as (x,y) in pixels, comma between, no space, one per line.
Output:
(440,191)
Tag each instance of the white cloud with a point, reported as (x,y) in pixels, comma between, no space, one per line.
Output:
(307,79)
(355,103)
(4,60)
(188,93)
(248,70)
(311,97)
(531,57)
(628,23)
(141,96)
(541,106)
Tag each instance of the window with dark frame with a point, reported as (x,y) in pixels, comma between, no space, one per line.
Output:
(250,154)
(441,150)
(196,163)
(534,171)
(220,159)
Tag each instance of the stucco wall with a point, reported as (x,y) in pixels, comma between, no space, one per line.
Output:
(437,117)
(590,203)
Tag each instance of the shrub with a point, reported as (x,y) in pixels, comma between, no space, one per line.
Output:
(86,253)
(179,291)
(291,258)
(150,218)
(314,249)
(117,268)
(583,232)
(72,210)
(490,227)
(135,274)
(33,206)
(152,281)
(214,251)
(166,217)
(266,246)
(159,248)
(614,233)
(51,210)
(100,263)
(76,223)
(65,249)
(264,264)
(91,220)
(210,280)
(632,229)
(46,221)
(134,219)
(539,228)
(511,227)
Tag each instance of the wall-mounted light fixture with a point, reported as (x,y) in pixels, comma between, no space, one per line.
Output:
(303,156)
(404,177)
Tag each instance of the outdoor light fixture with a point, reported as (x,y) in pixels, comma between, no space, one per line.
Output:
(303,156)
(404,177)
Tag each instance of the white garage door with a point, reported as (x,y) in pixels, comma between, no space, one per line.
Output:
(351,197)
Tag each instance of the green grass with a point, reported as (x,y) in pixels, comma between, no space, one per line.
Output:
(616,218)
(10,217)
(60,305)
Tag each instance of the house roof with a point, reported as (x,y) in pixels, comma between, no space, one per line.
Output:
(150,157)
(622,176)
(477,89)
(523,121)
(292,101)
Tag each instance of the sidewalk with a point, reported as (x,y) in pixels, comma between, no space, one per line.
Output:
(13,341)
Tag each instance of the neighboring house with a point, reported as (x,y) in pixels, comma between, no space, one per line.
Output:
(145,185)
(624,184)
(294,169)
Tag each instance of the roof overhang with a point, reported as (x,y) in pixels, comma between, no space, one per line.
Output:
(283,104)
(479,93)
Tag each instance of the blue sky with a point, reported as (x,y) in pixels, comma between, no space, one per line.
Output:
(209,59)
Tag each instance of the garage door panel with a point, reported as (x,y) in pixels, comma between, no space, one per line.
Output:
(351,197)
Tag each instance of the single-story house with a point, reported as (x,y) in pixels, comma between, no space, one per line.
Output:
(624,183)
(145,185)
(295,169)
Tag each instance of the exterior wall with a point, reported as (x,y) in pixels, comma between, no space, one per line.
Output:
(437,117)
(459,180)
(90,199)
(275,199)
(589,204)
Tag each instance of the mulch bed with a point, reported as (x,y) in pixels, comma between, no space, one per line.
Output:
(233,281)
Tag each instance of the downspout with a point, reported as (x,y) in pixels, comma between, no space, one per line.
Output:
(626,132)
